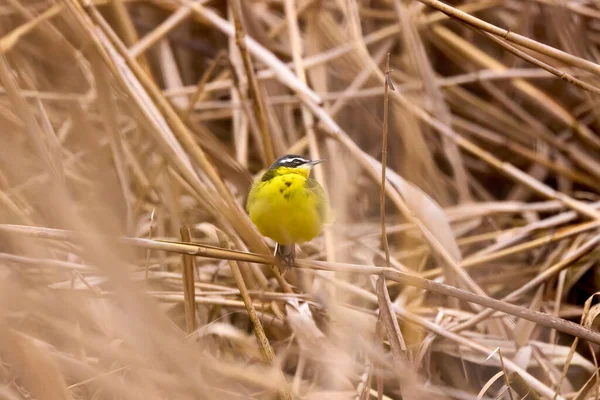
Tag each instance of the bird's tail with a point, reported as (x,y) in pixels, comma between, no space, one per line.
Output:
(287,252)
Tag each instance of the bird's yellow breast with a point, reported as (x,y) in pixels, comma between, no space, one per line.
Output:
(288,208)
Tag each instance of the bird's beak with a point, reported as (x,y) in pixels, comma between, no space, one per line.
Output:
(312,163)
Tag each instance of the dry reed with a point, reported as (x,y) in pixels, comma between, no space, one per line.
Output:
(461,266)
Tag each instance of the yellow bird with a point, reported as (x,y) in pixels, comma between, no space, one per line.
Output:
(288,206)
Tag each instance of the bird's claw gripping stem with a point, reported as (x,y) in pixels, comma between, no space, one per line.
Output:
(287,254)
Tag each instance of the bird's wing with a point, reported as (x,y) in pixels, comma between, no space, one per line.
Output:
(252,195)
(323,202)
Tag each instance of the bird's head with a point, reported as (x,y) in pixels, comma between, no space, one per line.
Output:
(293,164)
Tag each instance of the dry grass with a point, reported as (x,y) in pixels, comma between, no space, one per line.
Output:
(132,130)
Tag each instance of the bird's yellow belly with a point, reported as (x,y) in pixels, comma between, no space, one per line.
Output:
(286,211)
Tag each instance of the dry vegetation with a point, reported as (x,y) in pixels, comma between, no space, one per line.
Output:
(132,129)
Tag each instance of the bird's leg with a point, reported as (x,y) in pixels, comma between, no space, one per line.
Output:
(288,254)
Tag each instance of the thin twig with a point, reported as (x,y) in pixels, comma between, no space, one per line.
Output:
(256,93)
(384,145)
(189,288)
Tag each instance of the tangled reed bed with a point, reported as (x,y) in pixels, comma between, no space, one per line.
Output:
(133,129)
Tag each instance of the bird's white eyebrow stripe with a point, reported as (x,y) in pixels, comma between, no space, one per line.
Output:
(292,159)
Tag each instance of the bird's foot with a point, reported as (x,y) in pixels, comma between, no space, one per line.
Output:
(287,254)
